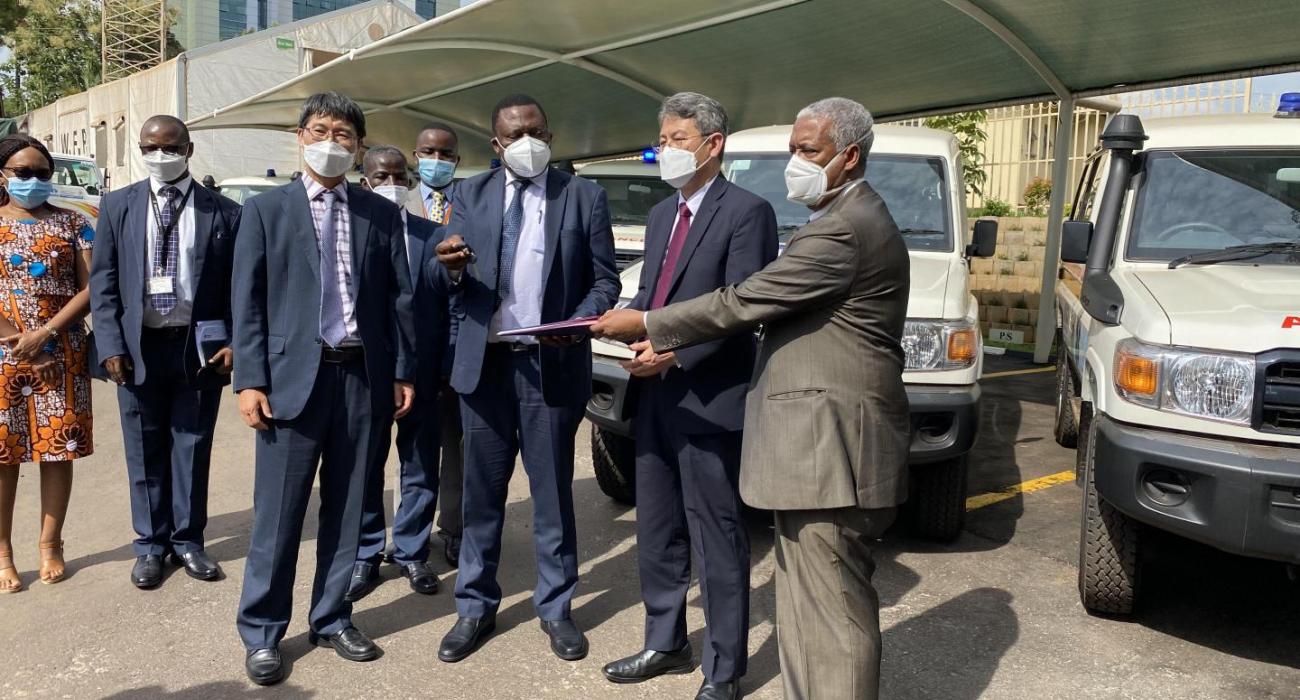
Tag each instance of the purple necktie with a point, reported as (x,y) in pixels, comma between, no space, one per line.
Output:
(675,245)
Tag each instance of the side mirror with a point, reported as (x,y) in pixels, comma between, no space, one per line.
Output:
(984,240)
(1076,237)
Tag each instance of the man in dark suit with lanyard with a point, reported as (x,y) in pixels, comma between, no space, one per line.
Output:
(692,406)
(417,437)
(162,264)
(323,357)
(543,251)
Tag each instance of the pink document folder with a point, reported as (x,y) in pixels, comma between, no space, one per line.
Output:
(573,326)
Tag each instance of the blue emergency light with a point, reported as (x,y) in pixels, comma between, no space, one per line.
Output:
(648,155)
(1289,105)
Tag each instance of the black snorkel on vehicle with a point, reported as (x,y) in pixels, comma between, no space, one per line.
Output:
(1101,297)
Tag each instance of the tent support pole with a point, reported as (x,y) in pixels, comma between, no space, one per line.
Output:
(1061,151)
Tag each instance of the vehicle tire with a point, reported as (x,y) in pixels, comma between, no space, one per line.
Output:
(1067,418)
(1109,566)
(939,498)
(614,459)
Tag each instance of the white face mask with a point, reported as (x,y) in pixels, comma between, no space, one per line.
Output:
(677,165)
(393,193)
(806,180)
(527,157)
(165,166)
(327,159)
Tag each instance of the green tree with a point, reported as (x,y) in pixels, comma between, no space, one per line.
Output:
(968,127)
(55,46)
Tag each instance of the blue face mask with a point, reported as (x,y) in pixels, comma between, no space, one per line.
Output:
(436,173)
(29,193)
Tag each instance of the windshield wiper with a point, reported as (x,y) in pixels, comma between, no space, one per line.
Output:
(922,232)
(1236,252)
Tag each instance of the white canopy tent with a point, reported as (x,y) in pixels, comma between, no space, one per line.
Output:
(600,67)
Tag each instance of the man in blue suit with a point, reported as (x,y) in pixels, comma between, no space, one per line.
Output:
(528,244)
(323,358)
(417,435)
(162,264)
(437,153)
(711,234)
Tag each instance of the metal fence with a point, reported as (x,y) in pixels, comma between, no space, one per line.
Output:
(1020,141)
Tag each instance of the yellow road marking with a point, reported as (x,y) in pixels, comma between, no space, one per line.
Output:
(1014,372)
(1042,482)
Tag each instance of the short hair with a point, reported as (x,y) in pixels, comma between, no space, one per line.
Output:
(440,126)
(850,122)
(707,112)
(11,145)
(333,104)
(374,153)
(515,100)
(158,120)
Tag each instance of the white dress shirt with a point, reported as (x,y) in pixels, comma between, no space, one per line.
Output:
(693,204)
(819,213)
(185,277)
(522,307)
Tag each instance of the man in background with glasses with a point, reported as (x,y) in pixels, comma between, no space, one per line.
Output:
(710,234)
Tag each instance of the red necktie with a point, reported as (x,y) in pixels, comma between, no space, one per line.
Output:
(675,245)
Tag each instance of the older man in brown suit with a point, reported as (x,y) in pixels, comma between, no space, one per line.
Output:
(826,422)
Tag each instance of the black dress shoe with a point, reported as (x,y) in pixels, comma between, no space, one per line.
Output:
(365,577)
(451,550)
(147,572)
(421,576)
(349,642)
(464,637)
(648,664)
(729,690)
(198,565)
(567,641)
(264,666)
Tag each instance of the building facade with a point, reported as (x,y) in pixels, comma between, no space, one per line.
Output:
(202,22)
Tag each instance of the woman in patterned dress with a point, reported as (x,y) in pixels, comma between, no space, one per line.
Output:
(44,385)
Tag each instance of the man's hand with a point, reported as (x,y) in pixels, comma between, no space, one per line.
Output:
(222,362)
(627,325)
(255,408)
(647,362)
(403,398)
(119,369)
(453,253)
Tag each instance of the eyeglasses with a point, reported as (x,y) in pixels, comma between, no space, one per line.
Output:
(174,150)
(43,174)
(339,136)
(677,142)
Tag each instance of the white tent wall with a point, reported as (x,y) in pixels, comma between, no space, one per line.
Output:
(222,74)
(105,121)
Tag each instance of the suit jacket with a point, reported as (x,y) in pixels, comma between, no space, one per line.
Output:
(429,306)
(276,301)
(826,421)
(579,275)
(732,236)
(415,205)
(120,266)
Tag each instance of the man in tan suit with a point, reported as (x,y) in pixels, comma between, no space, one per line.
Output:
(826,418)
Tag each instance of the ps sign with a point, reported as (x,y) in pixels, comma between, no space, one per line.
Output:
(1004,335)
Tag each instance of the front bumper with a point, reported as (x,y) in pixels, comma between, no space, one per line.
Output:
(611,407)
(945,419)
(1239,497)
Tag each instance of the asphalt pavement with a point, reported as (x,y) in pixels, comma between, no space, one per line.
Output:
(993,615)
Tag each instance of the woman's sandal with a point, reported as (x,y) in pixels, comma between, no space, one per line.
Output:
(9,585)
(53,568)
